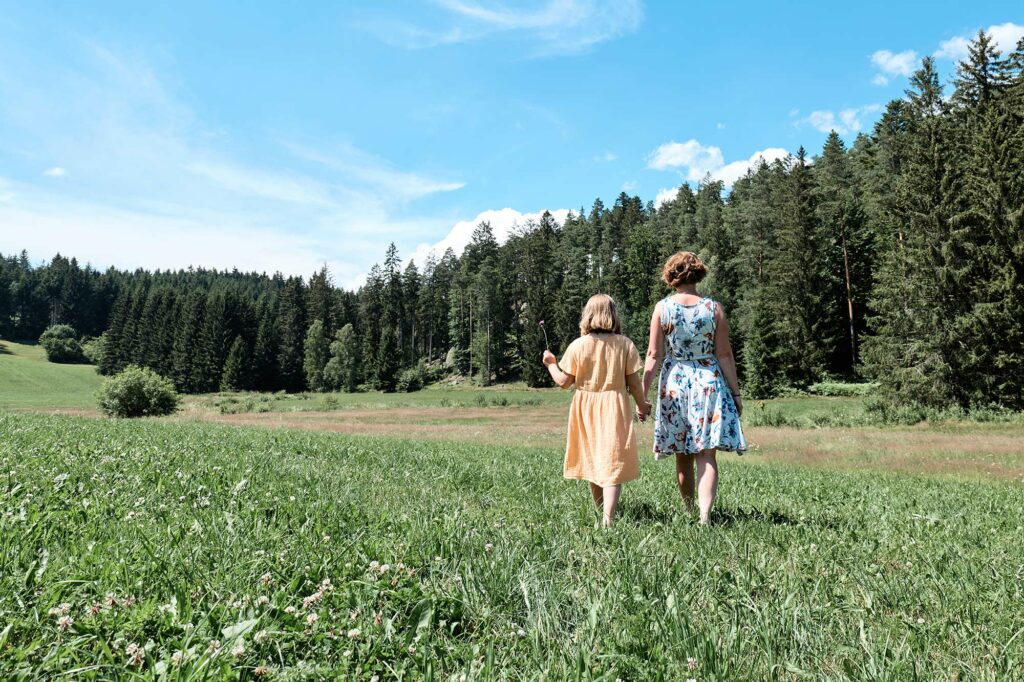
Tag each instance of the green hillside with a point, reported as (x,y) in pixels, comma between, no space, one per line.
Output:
(28,381)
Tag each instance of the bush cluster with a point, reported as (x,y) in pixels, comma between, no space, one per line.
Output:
(137,392)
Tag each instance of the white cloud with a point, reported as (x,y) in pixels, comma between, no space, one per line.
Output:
(892,64)
(629,186)
(503,223)
(847,121)
(557,27)
(1005,36)
(698,159)
(664,196)
(55,172)
(694,161)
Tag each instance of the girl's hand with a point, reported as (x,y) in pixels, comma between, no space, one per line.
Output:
(643,411)
(549,358)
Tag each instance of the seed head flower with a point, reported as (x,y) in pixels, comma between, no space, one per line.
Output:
(238,650)
(266,578)
(64,623)
(353,633)
(214,646)
(691,663)
(312,618)
(260,671)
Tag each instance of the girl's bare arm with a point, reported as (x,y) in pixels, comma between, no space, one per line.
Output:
(563,379)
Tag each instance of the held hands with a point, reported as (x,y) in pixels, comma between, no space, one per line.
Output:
(549,358)
(643,411)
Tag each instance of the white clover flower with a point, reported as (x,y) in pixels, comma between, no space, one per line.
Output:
(213,647)
(177,657)
(488,547)
(64,623)
(353,633)
(312,618)
(135,653)
(238,650)
(263,600)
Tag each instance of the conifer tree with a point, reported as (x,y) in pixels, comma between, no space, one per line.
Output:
(291,334)
(237,368)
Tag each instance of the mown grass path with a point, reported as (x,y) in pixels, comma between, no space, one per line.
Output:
(199,551)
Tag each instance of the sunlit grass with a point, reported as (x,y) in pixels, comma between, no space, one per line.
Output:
(202,533)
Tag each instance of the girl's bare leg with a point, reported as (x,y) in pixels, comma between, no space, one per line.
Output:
(707,473)
(611,501)
(597,492)
(685,478)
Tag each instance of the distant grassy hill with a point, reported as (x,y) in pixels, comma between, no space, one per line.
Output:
(28,381)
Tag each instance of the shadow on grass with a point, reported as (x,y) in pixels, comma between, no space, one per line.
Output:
(640,513)
(730,517)
(4,350)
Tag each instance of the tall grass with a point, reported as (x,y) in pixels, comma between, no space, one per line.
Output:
(196,551)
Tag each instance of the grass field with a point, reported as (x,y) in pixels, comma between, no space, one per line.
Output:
(315,555)
(28,381)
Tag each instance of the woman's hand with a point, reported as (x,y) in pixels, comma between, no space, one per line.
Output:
(643,411)
(549,358)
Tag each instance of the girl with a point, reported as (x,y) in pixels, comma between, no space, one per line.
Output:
(699,401)
(601,445)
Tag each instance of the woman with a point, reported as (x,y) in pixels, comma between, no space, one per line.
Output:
(699,402)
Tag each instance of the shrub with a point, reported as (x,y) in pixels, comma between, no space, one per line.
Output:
(409,380)
(61,344)
(840,389)
(137,392)
(92,348)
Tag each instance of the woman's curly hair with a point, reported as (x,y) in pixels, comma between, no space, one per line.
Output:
(682,268)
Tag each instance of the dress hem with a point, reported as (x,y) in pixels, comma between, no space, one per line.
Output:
(658,454)
(583,478)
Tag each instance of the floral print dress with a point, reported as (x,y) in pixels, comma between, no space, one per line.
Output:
(695,407)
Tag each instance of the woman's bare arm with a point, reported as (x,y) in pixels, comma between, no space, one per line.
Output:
(563,379)
(655,350)
(723,349)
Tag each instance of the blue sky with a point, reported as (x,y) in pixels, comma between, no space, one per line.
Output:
(282,136)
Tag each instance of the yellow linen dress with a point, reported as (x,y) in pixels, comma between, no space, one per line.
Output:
(601,443)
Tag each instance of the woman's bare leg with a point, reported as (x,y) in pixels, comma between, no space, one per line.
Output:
(707,473)
(611,501)
(597,492)
(685,478)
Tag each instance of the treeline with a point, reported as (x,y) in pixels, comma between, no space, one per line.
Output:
(899,259)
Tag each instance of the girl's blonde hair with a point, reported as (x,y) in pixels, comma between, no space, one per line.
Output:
(600,315)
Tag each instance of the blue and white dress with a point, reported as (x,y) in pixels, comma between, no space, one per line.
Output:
(695,406)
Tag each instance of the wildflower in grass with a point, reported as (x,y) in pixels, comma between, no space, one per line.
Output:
(521,632)
(136,654)
(353,633)
(177,657)
(263,600)
(412,648)
(488,547)
(64,623)
(60,609)
(312,599)
(289,609)
(94,608)
(260,636)
(374,565)
(110,600)
(691,663)
(238,650)
(260,671)
(312,618)
(384,568)
(213,647)
(920,621)
(266,579)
